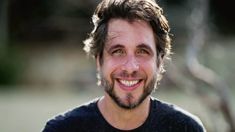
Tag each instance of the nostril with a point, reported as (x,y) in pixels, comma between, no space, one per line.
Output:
(126,74)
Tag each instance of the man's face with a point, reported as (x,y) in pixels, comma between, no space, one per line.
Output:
(129,69)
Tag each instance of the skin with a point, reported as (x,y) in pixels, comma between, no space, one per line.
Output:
(128,71)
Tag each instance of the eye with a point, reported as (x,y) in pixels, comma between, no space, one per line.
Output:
(142,52)
(118,52)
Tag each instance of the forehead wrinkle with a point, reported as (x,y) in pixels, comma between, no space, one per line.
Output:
(111,36)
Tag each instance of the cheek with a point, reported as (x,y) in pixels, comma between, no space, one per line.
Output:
(150,68)
(109,67)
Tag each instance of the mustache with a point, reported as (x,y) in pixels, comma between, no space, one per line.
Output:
(125,74)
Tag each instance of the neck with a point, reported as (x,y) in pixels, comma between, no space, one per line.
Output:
(124,119)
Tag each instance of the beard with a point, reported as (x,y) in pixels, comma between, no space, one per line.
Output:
(147,90)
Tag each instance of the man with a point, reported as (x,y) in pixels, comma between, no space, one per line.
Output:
(129,42)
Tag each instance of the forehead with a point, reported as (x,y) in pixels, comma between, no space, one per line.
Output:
(123,31)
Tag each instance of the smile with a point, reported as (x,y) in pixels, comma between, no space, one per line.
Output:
(129,83)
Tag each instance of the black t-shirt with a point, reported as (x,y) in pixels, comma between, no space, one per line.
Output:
(163,117)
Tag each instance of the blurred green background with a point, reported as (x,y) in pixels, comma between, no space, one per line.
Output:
(44,71)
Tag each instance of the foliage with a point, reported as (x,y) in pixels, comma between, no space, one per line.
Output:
(10,67)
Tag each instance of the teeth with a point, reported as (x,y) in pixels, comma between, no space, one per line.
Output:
(129,83)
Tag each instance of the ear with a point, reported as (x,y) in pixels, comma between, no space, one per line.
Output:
(98,66)
(160,61)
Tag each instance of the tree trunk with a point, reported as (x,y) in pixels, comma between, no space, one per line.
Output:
(198,27)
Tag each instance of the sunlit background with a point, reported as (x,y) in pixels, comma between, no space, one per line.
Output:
(44,71)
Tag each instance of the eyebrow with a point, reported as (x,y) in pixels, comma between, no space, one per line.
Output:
(144,46)
(108,47)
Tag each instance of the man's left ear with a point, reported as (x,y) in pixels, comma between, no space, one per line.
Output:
(97,59)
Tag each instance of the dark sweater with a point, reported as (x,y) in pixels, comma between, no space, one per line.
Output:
(163,117)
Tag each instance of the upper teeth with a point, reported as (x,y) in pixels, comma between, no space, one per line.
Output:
(129,83)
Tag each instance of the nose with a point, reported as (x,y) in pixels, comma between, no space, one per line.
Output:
(130,65)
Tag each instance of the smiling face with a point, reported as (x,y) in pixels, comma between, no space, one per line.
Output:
(128,68)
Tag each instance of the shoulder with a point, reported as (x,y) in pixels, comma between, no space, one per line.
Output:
(176,118)
(72,119)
